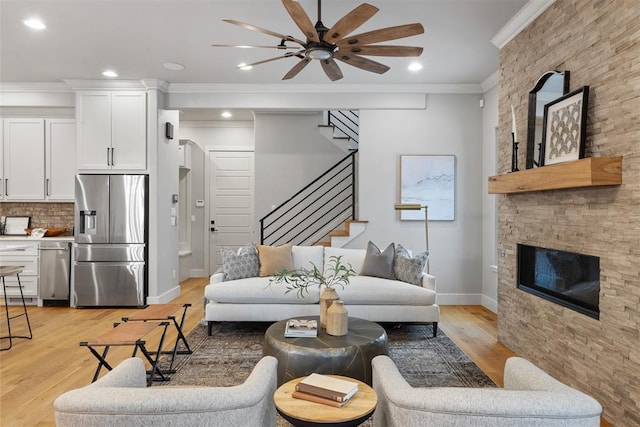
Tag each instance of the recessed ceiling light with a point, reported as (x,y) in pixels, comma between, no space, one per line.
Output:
(245,67)
(109,73)
(226,114)
(415,66)
(173,66)
(34,23)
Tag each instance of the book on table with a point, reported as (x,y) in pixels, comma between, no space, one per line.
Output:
(317,399)
(301,328)
(328,387)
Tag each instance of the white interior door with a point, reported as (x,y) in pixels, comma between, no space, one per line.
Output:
(231,202)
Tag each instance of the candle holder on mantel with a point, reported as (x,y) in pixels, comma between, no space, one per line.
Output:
(514,153)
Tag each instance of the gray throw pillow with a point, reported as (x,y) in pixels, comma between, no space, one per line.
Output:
(407,268)
(241,264)
(379,264)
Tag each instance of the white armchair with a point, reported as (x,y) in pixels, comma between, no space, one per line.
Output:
(530,397)
(121,398)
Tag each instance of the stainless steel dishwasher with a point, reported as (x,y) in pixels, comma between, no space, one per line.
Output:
(54,274)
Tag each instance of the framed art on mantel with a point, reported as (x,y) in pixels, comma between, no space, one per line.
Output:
(428,180)
(564,127)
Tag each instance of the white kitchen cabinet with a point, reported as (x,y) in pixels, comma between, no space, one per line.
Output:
(27,256)
(60,164)
(112,130)
(23,159)
(37,160)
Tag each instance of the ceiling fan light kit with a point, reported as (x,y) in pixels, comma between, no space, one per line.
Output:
(328,44)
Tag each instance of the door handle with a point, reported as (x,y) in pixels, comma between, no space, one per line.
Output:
(213,229)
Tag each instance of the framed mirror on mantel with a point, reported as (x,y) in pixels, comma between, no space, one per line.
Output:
(549,87)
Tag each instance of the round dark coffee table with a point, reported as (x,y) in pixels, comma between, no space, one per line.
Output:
(349,355)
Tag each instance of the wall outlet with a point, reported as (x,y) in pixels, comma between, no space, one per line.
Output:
(173,273)
(193,218)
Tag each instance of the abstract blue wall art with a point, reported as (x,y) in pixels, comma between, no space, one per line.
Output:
(428,180)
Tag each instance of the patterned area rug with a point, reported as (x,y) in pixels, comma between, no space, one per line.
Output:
(228,356)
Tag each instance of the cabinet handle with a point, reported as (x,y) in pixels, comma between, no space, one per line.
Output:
(108,149)
(112,150)
(47,187)
(6,186)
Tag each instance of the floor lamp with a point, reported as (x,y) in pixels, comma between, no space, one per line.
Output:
(417,207)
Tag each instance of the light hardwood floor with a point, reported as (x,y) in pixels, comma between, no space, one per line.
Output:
(33,373)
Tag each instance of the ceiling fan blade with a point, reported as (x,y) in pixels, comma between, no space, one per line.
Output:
(363,63)
(286,55)
(383,50)
(331,69)
(301,19)
(382,35)
(264,31)
(296,68)
(255,47)
(352,20)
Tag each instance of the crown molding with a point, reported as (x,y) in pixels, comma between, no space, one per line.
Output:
(490,82)
(185,88)
(520,21)
(108,84)
(35,87)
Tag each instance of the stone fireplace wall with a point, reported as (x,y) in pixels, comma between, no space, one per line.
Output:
(599,43)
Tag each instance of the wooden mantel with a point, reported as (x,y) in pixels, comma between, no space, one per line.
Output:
(589,172)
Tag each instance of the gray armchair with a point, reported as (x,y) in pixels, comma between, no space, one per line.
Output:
(530,397)
(121,398)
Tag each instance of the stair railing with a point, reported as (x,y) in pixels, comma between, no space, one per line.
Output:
(321,206)
(345,122)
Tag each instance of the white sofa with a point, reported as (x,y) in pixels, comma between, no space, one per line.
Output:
(370,298)
(530,397)
(121,398)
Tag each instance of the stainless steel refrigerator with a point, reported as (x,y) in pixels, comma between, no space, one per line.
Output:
(111,215)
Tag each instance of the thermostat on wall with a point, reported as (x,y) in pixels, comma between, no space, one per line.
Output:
(199,203)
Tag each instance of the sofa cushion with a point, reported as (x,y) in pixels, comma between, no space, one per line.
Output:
(304,256)
(407,268)
(257,290)
(274,259)
(379,264)
(366,290)
(241,264)
(355,257)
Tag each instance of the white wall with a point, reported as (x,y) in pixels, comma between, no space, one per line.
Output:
(489,201)
(451,124)
(163,235)
(290,153)
(208,134)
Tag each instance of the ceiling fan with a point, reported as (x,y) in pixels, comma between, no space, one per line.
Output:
(328,44)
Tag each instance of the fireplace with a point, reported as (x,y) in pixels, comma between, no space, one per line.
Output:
(566,278)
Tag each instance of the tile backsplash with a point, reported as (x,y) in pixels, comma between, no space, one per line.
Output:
(42,214)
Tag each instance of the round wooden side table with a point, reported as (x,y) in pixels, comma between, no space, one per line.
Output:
(303,413)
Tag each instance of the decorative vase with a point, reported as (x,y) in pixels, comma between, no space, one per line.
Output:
(337,319)
(327,297)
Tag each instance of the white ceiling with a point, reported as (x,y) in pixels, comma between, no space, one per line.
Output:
(135,37)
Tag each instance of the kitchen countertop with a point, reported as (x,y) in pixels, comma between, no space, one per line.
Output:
(33,239)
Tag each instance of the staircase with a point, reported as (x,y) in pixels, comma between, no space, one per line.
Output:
(341,129)
(324,211)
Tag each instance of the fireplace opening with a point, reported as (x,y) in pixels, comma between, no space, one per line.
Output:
(566,278)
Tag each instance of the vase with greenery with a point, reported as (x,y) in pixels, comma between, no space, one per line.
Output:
(300,280)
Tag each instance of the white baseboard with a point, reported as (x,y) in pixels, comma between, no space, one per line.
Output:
(459,299)
(490,303)
(198,273)
(165,297)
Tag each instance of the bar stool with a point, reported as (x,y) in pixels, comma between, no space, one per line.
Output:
(8,271)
